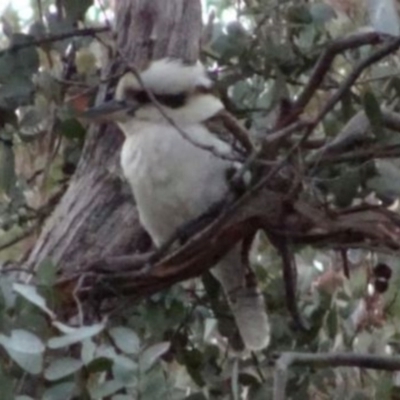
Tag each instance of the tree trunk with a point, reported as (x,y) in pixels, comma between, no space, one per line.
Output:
(97,217)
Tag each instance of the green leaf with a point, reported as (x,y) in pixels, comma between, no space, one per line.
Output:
(299,14)
(322,13)
(382,183)
(72,129)
(196,396)
(30,293)
(61,391)
(22,341)
(149,356)
(56,27)
(78,335)
(332,323)
(125,339)
(358,395)
(104,389)
(37,30)
(100,364)
(23,62)
(88,351)
(373,112)
(346,186)
(264,392)
(7,386)
(16,92)
(61,368)
(25,349)
(46,273)
(124,370)
(76,9)
(7,166)
(49,86)
(6,287)
(384,16)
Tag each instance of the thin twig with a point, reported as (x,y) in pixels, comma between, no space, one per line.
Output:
(54,38)
(360,155)
(40,10)
(17,238)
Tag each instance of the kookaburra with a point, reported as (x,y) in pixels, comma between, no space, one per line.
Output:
(175,178)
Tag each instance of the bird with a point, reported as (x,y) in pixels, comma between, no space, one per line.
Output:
(175,157)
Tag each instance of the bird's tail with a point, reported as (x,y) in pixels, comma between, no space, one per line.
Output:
(245,300)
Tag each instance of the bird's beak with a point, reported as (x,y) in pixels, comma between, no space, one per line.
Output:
(109,111)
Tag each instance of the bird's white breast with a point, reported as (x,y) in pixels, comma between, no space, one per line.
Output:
(173,181)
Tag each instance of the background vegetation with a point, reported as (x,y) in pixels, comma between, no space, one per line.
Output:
(173,344)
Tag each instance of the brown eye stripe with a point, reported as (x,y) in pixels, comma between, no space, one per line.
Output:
(169,100)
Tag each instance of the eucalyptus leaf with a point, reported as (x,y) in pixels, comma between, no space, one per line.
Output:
(7,166)
(47,273)
(152,354)
(76,336)
(7,386)
(125,339)
(62,367)
(22,341)
(16,92)
(105,389)
(345,187)
(373,112)
(382,183)
(61,391)
(384,16)
(26,349)
(31,294)
(76,9)
(23,62)
(322,12)
(125,370)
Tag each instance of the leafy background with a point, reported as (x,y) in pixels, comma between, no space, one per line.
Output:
(173,345)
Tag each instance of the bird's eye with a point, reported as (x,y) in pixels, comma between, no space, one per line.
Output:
(142,97)
(169,100)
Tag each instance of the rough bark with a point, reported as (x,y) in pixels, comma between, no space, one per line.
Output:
(97,215)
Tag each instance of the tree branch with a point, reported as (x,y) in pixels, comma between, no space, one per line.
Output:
(55,38)
(324,63)
(391,46)
(291,359)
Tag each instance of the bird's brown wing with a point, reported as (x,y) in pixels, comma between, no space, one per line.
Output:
(227,128)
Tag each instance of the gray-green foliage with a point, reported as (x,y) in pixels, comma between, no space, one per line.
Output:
(168,346)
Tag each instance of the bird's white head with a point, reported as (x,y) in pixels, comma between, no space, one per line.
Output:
(166,77)
(181,90)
